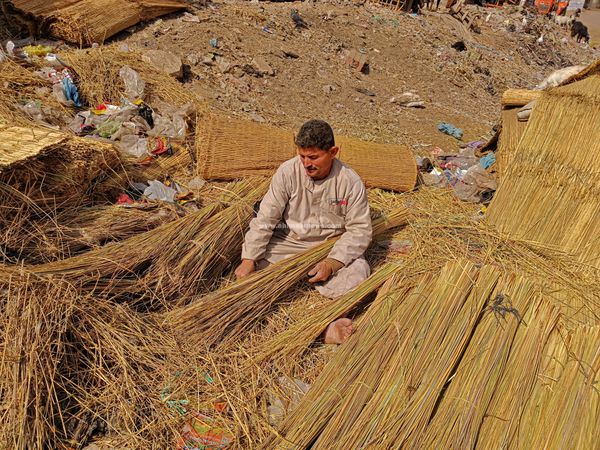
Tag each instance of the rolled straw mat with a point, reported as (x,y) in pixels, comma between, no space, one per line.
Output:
(228,149)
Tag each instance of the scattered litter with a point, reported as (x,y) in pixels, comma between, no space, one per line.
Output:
(214,43)
(409,100)
(488,160)
(450,130)
(199,433)
(158,191)
(134,85)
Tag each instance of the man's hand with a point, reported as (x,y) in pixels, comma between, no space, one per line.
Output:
(245,268)
(320,272)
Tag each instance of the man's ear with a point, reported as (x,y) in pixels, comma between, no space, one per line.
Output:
(334,150)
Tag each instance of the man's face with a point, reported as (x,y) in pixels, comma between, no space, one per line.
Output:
(317,162)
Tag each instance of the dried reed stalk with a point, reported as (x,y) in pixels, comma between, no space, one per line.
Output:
(294,341)
(231,311)
(462,409)
(196,259)
(503,416)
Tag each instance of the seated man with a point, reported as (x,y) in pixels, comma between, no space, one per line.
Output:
(313,197)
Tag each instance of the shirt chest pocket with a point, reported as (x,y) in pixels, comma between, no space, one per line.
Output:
(333,213)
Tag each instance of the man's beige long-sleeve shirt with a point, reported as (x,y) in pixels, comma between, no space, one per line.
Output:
(298,212)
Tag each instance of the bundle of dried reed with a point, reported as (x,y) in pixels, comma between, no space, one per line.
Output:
(508,141)
(291,343)
(411,374)
(196,259)
(459,414)
(229,312)
(564,407)
(552,183)
(519,97)
(503,416)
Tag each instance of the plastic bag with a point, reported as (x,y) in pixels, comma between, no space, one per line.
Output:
(134,85)
(34,110)
(108,128)
(134,145)
(171,121)
(158,191)
(70,91)
(476,181)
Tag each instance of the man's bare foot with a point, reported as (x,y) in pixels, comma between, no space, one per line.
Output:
(338,331)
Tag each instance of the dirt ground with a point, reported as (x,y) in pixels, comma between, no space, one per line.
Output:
(305,74)
(310,77)
(591,19)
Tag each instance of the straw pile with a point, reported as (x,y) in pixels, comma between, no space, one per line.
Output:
(232,311)
(552,183)
(78,230)
(230,148)
(84,22)
(20,86)
(46,172)
(125,267)
(99,80)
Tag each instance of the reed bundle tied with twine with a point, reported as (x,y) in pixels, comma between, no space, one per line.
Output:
(233,310)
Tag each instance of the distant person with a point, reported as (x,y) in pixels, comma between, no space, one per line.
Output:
(313,197)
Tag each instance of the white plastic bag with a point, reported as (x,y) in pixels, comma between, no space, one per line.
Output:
(134,85)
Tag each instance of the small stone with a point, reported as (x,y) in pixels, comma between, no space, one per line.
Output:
(192,59)
(164,61)
(262,66)
(222,64)
(257,118)
(328,89)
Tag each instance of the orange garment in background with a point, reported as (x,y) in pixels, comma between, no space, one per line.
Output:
(561,7)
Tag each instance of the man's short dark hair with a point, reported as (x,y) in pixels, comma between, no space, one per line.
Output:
(315,133)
